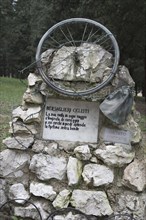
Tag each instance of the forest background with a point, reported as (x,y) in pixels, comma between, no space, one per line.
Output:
(23,22)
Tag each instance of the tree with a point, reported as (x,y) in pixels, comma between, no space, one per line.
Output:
(24,22)
(22,31)
(6,37)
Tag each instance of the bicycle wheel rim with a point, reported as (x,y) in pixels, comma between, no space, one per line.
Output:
(90,90)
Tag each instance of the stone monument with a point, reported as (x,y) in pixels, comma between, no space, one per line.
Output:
(64,152)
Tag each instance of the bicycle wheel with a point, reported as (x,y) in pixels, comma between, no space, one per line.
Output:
(71,44)
(7,209)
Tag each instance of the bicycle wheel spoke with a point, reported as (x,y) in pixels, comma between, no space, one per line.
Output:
(89,35)
(99,39)
(52,46)
(84,32)
(54,40)
(66,36)
(59,43)
(71,36)
(102,42)
(94,34)
(109,48)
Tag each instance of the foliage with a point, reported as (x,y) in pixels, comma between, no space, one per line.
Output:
(24,22)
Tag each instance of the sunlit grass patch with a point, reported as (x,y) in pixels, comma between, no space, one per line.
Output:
(11,92)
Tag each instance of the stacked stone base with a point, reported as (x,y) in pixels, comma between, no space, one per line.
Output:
(65,180)
(99,179)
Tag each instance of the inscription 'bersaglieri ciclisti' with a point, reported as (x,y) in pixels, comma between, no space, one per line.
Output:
(71,120)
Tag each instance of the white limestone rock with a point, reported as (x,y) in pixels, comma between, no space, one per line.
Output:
(33,79)
(62,200)
(33,97)
(132,126)
(51,149)
(2,184)
(67,145)
(123,77)
(41,146)
(31,212)
(127,147)
(129,201)
(17,112)
(47,167)
(20,128)
(135,176)
(136,114)
(70,216)
(93,146)
(44,207)
(42,190)
(98,174)
(18,191)
(26,212)
(83,152)
(21,143)
(3,197)
(93,160)
(59,217)
(113,155)
(94,63)
(38,146)
(74,171)
(102,93)
(13,164)
(91,202)
(32,114)
(45,56)
(44,89)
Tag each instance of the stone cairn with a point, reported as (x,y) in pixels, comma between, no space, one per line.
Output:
(97,178)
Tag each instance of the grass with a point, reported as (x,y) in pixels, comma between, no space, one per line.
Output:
(11,92)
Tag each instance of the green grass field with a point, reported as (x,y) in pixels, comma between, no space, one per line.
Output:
(11,92)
